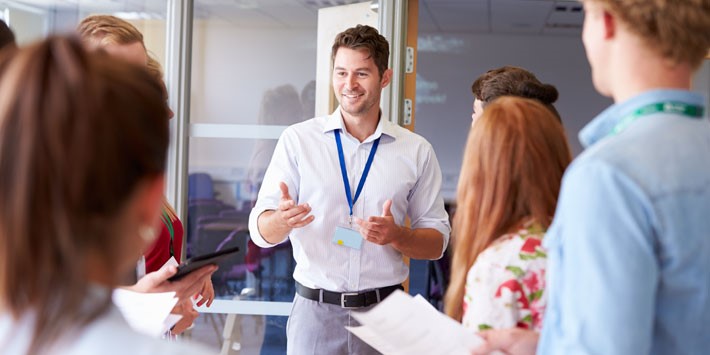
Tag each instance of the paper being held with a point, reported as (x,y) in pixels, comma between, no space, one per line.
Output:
(148,313)
(402,324)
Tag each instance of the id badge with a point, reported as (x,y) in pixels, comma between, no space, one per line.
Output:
(345,236)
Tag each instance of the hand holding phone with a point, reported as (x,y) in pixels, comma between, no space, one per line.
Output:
(197,262)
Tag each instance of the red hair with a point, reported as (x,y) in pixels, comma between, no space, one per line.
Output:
(512,169)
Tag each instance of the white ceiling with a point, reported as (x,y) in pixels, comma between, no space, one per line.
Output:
(540,17)
(544,17)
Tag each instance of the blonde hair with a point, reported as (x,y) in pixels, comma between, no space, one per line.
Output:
(156,71)
(154,67)
(101,30)
(169,210)
(512,169)
(678,30)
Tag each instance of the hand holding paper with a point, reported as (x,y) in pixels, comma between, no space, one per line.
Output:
(402,324)
(148,313)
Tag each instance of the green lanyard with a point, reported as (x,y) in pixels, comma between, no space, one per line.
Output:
(677,108)
(169,223)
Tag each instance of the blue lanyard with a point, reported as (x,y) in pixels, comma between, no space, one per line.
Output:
(678,108)
(346,181)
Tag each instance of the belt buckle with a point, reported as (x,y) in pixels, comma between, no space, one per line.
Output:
(342,299)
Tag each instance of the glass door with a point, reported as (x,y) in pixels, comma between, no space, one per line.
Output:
(257,67)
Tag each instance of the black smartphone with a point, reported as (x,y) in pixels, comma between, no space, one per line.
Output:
(197,262)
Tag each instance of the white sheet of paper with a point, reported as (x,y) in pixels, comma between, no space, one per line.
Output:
(172,262)
(170,321)
(148,313)
(402,324)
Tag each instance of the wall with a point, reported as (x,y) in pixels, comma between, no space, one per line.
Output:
(233,70)
(28,26)
(232,67)
(448,65)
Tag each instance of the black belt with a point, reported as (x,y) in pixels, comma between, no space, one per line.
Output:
(347,299)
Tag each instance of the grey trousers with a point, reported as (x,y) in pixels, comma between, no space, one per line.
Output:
(319,328)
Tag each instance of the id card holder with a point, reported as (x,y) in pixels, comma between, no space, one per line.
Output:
(348,237)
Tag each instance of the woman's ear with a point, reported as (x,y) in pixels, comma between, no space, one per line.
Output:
(139,226)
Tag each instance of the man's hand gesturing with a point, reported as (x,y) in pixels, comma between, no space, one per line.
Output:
(290,214)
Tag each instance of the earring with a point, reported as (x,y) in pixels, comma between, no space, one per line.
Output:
(147,233)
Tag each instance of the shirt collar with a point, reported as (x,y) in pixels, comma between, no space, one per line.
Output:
(603,124)
(335,121)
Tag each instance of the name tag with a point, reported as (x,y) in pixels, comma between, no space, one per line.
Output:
(347,237)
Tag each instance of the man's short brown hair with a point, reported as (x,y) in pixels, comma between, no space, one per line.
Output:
(364,37)
(678,30)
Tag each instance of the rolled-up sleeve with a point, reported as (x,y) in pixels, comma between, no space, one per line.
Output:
(426,205)
(283,167)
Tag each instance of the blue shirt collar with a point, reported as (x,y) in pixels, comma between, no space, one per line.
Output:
(602,125)
(335,121)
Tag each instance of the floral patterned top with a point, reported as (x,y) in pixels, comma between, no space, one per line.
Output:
(504,287)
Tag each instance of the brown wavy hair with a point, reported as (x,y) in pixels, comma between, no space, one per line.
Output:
(79,132)
(512,169)
(364,37)
(514,81)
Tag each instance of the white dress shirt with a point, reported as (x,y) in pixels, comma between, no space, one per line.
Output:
(404,169)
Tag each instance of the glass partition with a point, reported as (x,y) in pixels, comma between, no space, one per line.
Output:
(34,19)
(253,74)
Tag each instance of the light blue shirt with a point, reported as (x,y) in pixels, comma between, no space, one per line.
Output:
(629,248)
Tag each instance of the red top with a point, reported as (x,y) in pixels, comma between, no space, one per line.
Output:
(158,254)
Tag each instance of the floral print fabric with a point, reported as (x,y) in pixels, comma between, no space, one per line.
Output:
(505,286)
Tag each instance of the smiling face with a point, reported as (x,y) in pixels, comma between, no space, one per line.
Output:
(357,83)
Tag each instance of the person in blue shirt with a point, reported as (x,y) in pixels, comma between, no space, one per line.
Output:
(629,247)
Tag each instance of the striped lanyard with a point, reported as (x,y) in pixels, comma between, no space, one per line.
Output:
(677,108)
(169,224)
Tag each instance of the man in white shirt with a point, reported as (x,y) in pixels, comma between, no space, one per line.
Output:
(340,187)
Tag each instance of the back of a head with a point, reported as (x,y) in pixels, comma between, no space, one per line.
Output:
(364,37)
(678,30)
(79,132)
(101,30)
(7,38)
(512,170)
(513,81)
